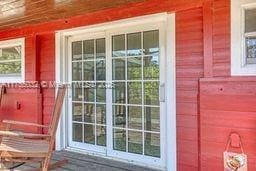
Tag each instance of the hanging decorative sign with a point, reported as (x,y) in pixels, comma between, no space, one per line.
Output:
(234,161)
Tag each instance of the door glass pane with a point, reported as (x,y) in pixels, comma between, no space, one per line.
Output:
(101,135)
(100,49)
(101,114)
(89,71)
(151,42)
(119,116)
(77,94)
(89,113)
(119,139)
(118,69)
(134,44)
(100,70)
(152,119)
(134,68)
(89,94)
(151,68)
(77,132)
(76,71)
(152,144)
(118,46)
(135,142)
(78,112)
(135,117)
(88,49)
(119,93)
(100,92)
(89,131)
(151,90)
(77,50)
(134,92)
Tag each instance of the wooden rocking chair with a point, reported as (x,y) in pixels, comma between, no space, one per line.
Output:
(31,147)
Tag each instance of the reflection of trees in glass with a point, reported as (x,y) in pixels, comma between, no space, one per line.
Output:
(135,93)
(151,67)
(10,60)
(119,118)
(151,90)
(10,68)
(101,135)
(134,68)
(100,70)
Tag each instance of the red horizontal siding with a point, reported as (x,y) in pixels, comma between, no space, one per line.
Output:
(227,106)
(221,38)
(189,67)
(30,107)
(47,72)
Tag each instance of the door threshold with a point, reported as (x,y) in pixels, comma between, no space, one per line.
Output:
(104,156)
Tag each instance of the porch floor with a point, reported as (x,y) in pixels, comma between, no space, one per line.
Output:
(81,162)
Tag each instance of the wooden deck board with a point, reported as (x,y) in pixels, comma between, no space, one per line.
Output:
(81,162)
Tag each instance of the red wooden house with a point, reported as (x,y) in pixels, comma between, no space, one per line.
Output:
(160,83)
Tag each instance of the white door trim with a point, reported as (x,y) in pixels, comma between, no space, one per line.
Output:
(170,88)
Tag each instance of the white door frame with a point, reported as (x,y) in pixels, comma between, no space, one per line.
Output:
(170,76)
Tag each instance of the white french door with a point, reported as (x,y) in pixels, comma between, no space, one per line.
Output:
(117,103)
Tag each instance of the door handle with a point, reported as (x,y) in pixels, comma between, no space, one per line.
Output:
(162,92)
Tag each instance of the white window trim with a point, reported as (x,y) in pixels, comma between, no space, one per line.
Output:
(11,43)
(238,64)
(61,76)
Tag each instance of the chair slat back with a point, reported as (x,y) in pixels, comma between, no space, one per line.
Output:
(57,110)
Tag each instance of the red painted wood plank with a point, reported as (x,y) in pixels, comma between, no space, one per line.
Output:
(187,109)
(207,22)
(188,121)
(246,120)
(189,134)
(31,51)
(229,102)
(189,159)
(183,167)
(185,146)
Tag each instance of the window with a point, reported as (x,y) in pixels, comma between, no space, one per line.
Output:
(243,37)
(12,60)
(250,35)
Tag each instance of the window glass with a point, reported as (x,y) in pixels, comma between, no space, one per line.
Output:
(250,22)
(250,43)
(250,36)
(10,61)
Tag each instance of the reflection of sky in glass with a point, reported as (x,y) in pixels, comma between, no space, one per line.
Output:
(155,55)
(153,50)
(137,52)
(134,52)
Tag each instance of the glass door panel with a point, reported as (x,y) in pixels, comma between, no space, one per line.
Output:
(88,92)
(135,96)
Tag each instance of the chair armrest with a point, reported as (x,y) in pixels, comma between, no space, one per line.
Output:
(24,123)
(22,134)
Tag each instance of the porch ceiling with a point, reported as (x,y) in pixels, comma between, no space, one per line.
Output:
(15,13)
